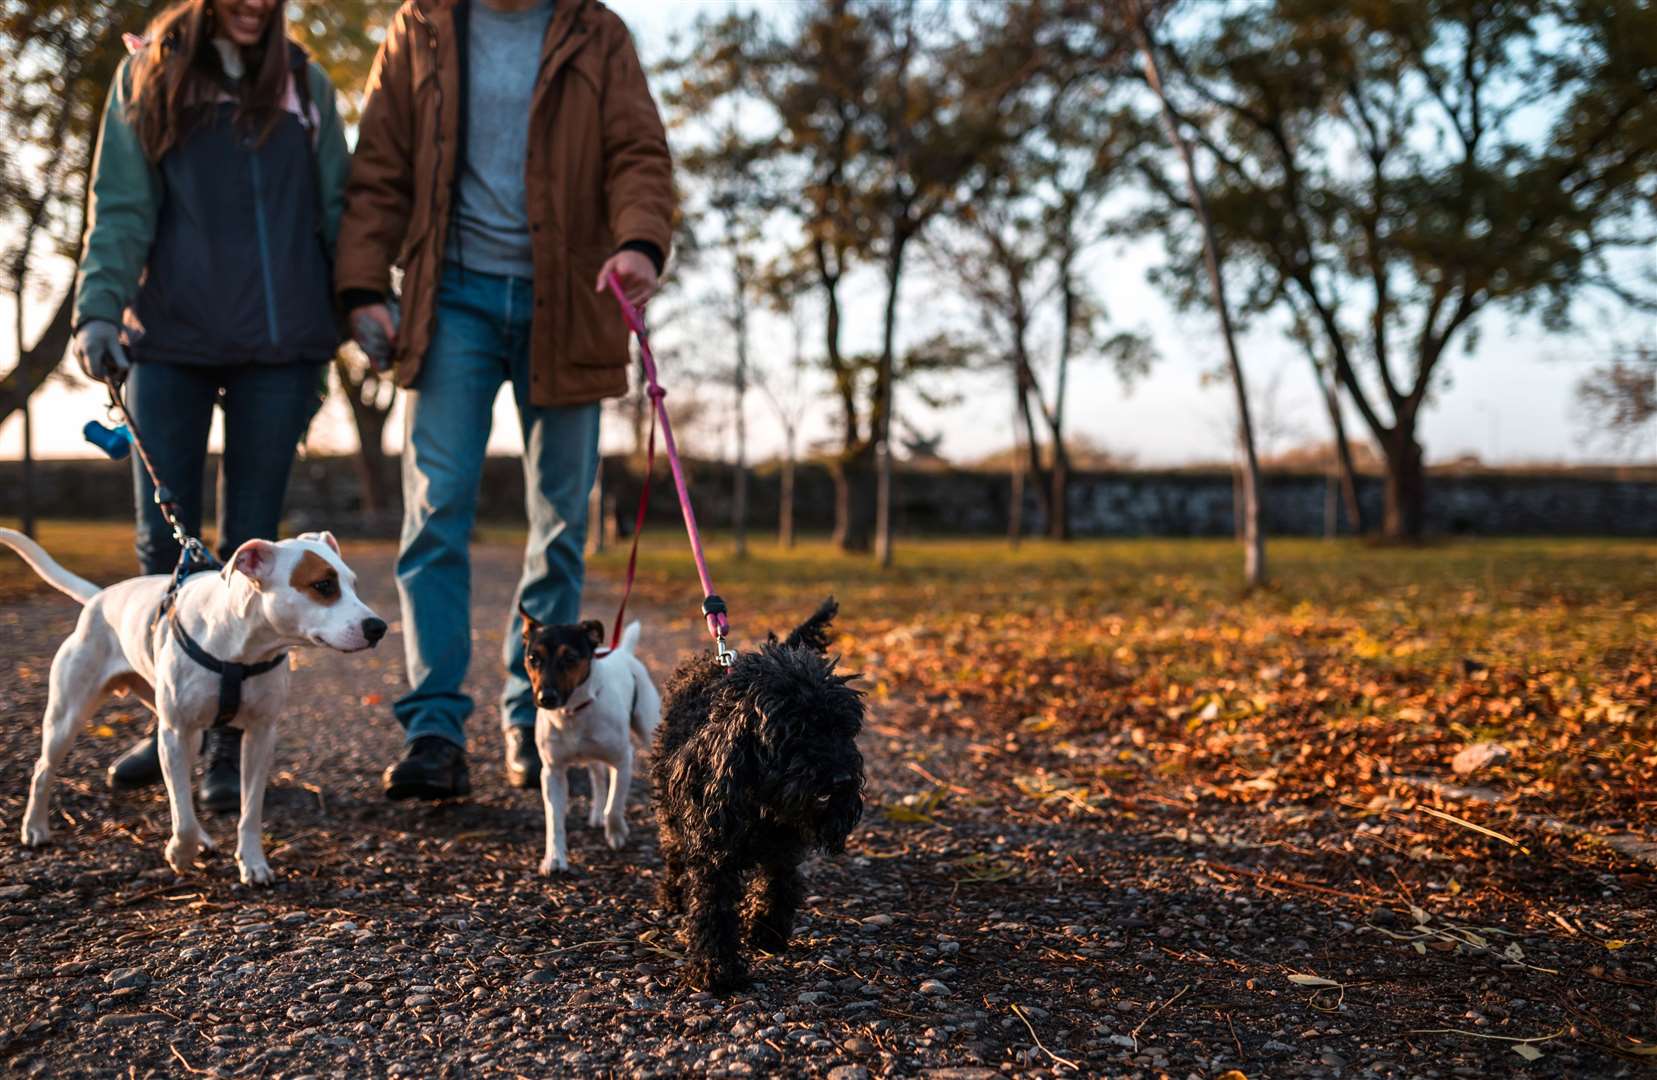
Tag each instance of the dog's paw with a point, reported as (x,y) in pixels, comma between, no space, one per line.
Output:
(256,873)
(615,834)
(182,851)
(551,866)
(720,979)
(769,938)
(36,835)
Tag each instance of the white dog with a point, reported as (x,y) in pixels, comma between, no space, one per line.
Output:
(586,708)
(271,597)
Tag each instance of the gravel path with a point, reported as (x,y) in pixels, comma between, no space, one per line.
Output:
(983,927)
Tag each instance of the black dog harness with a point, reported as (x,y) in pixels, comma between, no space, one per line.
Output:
(230,675)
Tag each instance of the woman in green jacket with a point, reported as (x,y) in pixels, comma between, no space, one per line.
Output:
(206,279)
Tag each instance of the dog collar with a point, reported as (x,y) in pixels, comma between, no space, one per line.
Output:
(230,675)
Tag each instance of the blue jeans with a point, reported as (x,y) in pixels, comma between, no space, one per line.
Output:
(482,338)
(266,411)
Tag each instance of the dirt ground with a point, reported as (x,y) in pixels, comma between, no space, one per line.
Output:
(980,925)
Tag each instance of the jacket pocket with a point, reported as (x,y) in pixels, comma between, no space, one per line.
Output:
(597,332)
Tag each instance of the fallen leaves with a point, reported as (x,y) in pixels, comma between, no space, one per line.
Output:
(1441,935)
(916,809)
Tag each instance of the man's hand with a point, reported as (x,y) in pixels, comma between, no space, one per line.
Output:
(637,274)
(375,329)
(98,349)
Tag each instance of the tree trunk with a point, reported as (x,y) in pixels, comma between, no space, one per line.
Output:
(1058,503)
(785,515)
(1348,473)
(1015,502)
(1254,539)
(1032,446)
(28,492)
(373,467)
(849,534)
(853,473)
(595,511)
(739,496)
(27,495)
(882,420)
(35,365)
(1058,521)
(1016,468)
(1406,490)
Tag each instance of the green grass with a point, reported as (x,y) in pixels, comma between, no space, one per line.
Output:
(100,551)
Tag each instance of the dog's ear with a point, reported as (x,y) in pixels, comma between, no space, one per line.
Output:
(323,537)
(255,560)
(814,632)
(530,625)
(595,632)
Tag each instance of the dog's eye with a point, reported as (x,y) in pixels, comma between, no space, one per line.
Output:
(532,660)
(326,587)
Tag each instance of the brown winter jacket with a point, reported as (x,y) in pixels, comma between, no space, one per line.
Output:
(599,178)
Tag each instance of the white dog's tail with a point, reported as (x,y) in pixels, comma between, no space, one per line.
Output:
(47,567)
(646,712)
(647,707)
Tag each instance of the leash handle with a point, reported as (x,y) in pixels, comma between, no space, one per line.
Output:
(713,609)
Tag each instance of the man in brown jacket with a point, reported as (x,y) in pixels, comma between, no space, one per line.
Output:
(509,158)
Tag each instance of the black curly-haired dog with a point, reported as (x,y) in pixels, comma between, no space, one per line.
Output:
(755,766)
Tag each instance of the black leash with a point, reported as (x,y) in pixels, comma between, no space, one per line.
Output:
(192,553)
(192,556)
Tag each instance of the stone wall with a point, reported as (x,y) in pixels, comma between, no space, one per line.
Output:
(1173,503)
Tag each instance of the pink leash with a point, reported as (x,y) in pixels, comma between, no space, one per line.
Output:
(713,608)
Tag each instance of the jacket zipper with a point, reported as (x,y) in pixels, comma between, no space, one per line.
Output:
(264,245)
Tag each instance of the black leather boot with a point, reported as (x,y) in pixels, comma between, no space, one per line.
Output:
(221,781)
(432,768)
(523,760)
(139,767)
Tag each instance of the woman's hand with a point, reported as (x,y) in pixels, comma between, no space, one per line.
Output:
(98,349)
(637,274)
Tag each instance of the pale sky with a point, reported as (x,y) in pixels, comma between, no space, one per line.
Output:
(1510,401)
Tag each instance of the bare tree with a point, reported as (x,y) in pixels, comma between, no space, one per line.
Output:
(1616,402)
(789,398)
(1402,171)
(370,394)
(1254,539)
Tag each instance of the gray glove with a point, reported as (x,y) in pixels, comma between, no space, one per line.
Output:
(371,338)
(98,349)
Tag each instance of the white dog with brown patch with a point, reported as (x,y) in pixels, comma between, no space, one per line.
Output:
(216,656)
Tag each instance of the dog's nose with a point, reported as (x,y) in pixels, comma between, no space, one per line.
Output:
(373,630)
(548,699)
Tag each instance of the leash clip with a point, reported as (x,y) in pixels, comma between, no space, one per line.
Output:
(723,654)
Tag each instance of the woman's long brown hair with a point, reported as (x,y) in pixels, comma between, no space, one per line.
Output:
(173,72)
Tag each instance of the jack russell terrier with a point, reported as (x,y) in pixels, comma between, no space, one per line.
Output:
(586,707)
(216,654)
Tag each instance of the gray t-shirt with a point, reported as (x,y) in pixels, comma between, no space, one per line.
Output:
(491,216)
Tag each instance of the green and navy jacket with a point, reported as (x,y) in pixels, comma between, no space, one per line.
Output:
(221,252)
